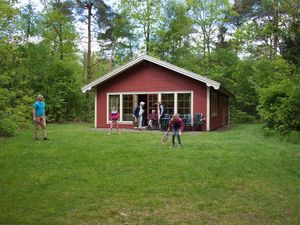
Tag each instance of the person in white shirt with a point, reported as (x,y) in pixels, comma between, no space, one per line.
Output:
(161,114)
(138,113)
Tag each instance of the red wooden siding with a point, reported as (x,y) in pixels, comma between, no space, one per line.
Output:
(221,118)
(149,77)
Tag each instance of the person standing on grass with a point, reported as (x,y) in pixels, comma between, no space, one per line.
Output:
(138,113)
(114,116)
(176,125)
(161,114)
(39,117)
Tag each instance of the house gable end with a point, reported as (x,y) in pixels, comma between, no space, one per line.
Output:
(116,72)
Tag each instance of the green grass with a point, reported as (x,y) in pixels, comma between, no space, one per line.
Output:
(84,176)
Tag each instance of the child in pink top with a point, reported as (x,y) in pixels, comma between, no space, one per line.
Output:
(114,116)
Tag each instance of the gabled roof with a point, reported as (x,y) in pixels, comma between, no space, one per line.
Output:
(115,72)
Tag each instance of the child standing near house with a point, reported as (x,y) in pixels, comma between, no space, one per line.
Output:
(176,125)
(114,116)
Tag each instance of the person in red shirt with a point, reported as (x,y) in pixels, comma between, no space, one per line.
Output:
(114,116)
(152,118)
(176,125)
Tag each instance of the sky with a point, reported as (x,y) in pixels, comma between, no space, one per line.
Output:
(80,27)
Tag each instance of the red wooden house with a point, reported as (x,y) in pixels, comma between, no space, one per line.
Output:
(151,80)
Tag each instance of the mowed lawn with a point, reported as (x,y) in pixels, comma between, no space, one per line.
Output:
(83,176)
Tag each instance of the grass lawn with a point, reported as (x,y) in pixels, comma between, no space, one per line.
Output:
(83,176)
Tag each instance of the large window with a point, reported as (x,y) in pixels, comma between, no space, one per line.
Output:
(168,102)
(184,103)
(128,102)
(152,103)
(113,101)
(127,107)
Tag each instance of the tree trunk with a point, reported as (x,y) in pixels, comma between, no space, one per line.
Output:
(204,42)
(61,51)
(112,54)
(275,32)
(89,50)
(148,27)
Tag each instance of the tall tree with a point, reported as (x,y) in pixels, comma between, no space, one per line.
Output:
(264,22)
(208,15)
(290,45)
(58,26)
(118,36)
(29,21)
(173,39)
(14,88)
(95,10)
(146,16)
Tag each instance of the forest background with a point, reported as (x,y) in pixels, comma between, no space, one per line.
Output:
(250,46)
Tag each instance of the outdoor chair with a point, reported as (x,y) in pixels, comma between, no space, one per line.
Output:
(187,119)
(165,121)
(199,119)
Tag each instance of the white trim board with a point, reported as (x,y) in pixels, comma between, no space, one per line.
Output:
(208,108)
(95,109)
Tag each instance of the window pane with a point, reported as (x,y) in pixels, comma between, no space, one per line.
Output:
(127,107)
(168,102)
(184,103)
(152,103)
(113,101)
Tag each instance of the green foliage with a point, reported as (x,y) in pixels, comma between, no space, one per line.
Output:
(171,42)
(146,16)
(244,89)
(238,116)
(280,105)
(64,98)
(7,126)
(14,80)
(290,46)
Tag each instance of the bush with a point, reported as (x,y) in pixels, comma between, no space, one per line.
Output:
(238,116)
(293,137)
(7,127)
(280,106)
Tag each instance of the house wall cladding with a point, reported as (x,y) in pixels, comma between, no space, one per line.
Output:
(149,77)
(221,118)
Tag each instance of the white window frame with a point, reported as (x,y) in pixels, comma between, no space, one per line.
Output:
(146,93)
(192,102)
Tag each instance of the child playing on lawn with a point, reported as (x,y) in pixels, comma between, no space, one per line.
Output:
(114,116)
(176,125)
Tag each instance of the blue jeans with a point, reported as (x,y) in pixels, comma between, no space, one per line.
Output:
(176,132)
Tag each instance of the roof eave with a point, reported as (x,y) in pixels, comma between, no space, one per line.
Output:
(207,81)
(110,74)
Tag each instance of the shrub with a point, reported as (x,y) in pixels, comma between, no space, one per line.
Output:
(238,116)
(280,106)
(7,127)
